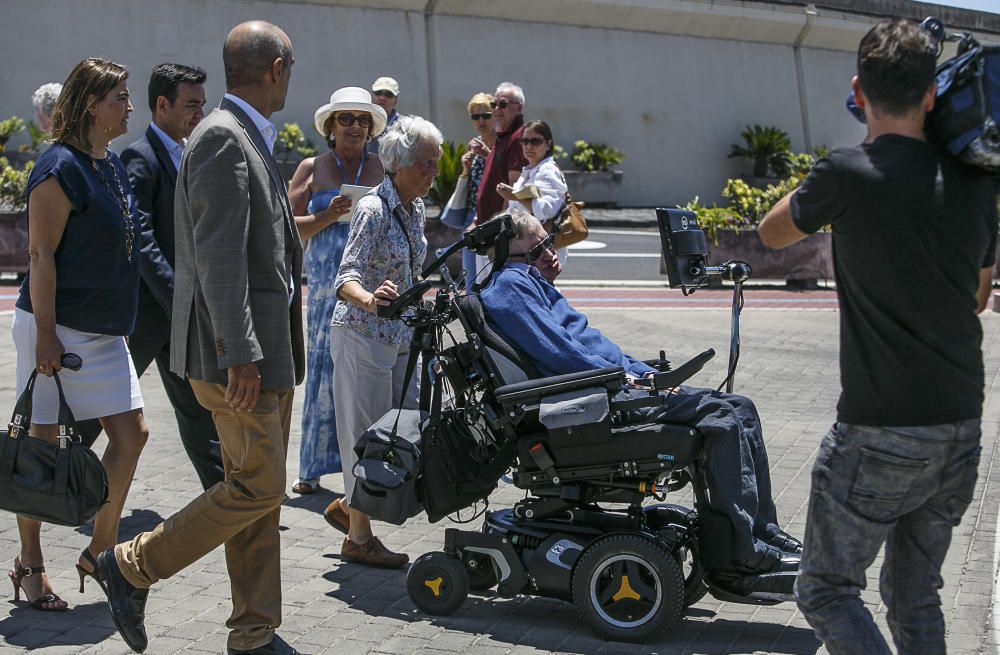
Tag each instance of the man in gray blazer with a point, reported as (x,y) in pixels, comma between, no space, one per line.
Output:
(237,335)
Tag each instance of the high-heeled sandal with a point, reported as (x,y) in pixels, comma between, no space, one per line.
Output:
(18,575)
(90,559)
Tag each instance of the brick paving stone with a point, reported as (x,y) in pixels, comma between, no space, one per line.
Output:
(788,366)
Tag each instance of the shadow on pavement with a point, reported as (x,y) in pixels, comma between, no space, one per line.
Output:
(81,625)
(314,502)
(140,520)
(548,624)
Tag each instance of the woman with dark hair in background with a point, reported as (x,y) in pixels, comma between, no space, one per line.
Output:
(348,123)
(80,295)
(543,172)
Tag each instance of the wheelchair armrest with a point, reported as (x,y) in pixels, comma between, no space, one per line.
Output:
(613,378)
(679,375)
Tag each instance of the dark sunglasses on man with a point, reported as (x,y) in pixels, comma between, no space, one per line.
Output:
(532,140)
(502,104)
(536,251)
(347,120)
(485,116)
(384,94)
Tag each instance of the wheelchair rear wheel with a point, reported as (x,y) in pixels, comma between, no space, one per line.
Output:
(628,587)
(437,583)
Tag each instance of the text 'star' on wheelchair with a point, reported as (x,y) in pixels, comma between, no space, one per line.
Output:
(587,530)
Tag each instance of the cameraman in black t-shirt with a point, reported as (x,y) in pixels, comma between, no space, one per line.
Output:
(914,235)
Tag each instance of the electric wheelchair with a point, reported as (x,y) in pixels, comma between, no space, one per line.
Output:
(585,531)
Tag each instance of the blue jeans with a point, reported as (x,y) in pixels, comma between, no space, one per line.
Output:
(906,487)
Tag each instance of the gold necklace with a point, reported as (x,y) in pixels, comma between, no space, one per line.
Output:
(127,220)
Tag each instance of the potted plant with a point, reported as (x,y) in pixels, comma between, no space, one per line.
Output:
(594,182)
(438,234)
(732,230)
(13,217)
(769,148)
(290,148)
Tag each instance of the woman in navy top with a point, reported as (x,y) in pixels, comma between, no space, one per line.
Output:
(80,296)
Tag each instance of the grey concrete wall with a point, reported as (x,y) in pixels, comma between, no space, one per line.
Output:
(673,103)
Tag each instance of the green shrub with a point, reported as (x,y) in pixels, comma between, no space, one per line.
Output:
(9,128)
(449,168)
(291,139)
(768,147)
(38,136)
(13,184)
(595,156)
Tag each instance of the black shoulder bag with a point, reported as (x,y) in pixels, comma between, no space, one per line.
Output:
(62,482)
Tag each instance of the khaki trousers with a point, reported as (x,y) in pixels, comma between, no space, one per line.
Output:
(242,512)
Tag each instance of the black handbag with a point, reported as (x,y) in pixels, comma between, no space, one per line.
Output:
(62,482)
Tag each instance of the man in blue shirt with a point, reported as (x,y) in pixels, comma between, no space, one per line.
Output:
(523,307)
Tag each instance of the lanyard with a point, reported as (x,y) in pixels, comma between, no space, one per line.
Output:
(343,173)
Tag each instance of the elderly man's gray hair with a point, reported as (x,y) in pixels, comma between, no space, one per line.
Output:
(44,98)
(397,148)
(522,219)
(512,89)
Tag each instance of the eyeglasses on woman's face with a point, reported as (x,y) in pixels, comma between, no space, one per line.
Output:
(347,120)
(485,116)
(532,140)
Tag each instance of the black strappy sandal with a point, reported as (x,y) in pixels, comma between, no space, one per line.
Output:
(18,575)
(90,559)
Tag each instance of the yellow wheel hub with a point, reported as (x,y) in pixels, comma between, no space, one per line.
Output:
(626,591)
(435,586)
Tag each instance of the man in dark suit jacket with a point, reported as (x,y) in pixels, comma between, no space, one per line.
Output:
(236,333)
(177,100)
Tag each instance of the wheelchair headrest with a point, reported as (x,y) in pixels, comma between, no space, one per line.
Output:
(472,308)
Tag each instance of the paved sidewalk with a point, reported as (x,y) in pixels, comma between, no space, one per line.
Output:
(788,365)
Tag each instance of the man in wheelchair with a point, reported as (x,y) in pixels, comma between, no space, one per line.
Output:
(752,555)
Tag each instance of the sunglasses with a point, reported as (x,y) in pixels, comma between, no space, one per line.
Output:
(485,116)
(347,120)
(502,104)
(384,94)
(536,251)
(532,140)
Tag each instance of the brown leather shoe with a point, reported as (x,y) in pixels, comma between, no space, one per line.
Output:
(337,516)
(373,553)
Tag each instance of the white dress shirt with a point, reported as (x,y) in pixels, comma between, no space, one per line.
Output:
(266,127)
(174,149)
(551,187)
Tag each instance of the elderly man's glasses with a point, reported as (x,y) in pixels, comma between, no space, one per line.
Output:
(532,140)
(384,94)
(502,104)
(485,116)
(536,251)
(347,120)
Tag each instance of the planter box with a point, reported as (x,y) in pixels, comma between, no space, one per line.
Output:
(802,263)
(595,188)
(13,241)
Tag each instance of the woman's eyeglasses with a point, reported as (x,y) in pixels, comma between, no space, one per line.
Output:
(502,104)
(485,116)
(532,140)
(347,120)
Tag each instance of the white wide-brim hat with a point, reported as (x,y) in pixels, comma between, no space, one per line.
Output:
(351,98)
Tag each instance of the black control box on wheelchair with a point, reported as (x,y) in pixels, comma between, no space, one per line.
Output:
(592,528)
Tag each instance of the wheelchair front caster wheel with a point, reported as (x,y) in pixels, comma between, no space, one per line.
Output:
(628,587)
(437,583)
(482,573)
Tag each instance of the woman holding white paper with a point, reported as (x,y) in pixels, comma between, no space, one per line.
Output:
(541,189)
(321,204)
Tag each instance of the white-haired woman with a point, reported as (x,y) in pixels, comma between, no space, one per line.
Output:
(44,101)
(385,252)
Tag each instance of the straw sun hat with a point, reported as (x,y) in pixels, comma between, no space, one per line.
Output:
(351,98)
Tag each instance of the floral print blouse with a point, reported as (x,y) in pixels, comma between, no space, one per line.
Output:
(376,251)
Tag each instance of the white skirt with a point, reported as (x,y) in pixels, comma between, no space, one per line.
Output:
(106,384)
